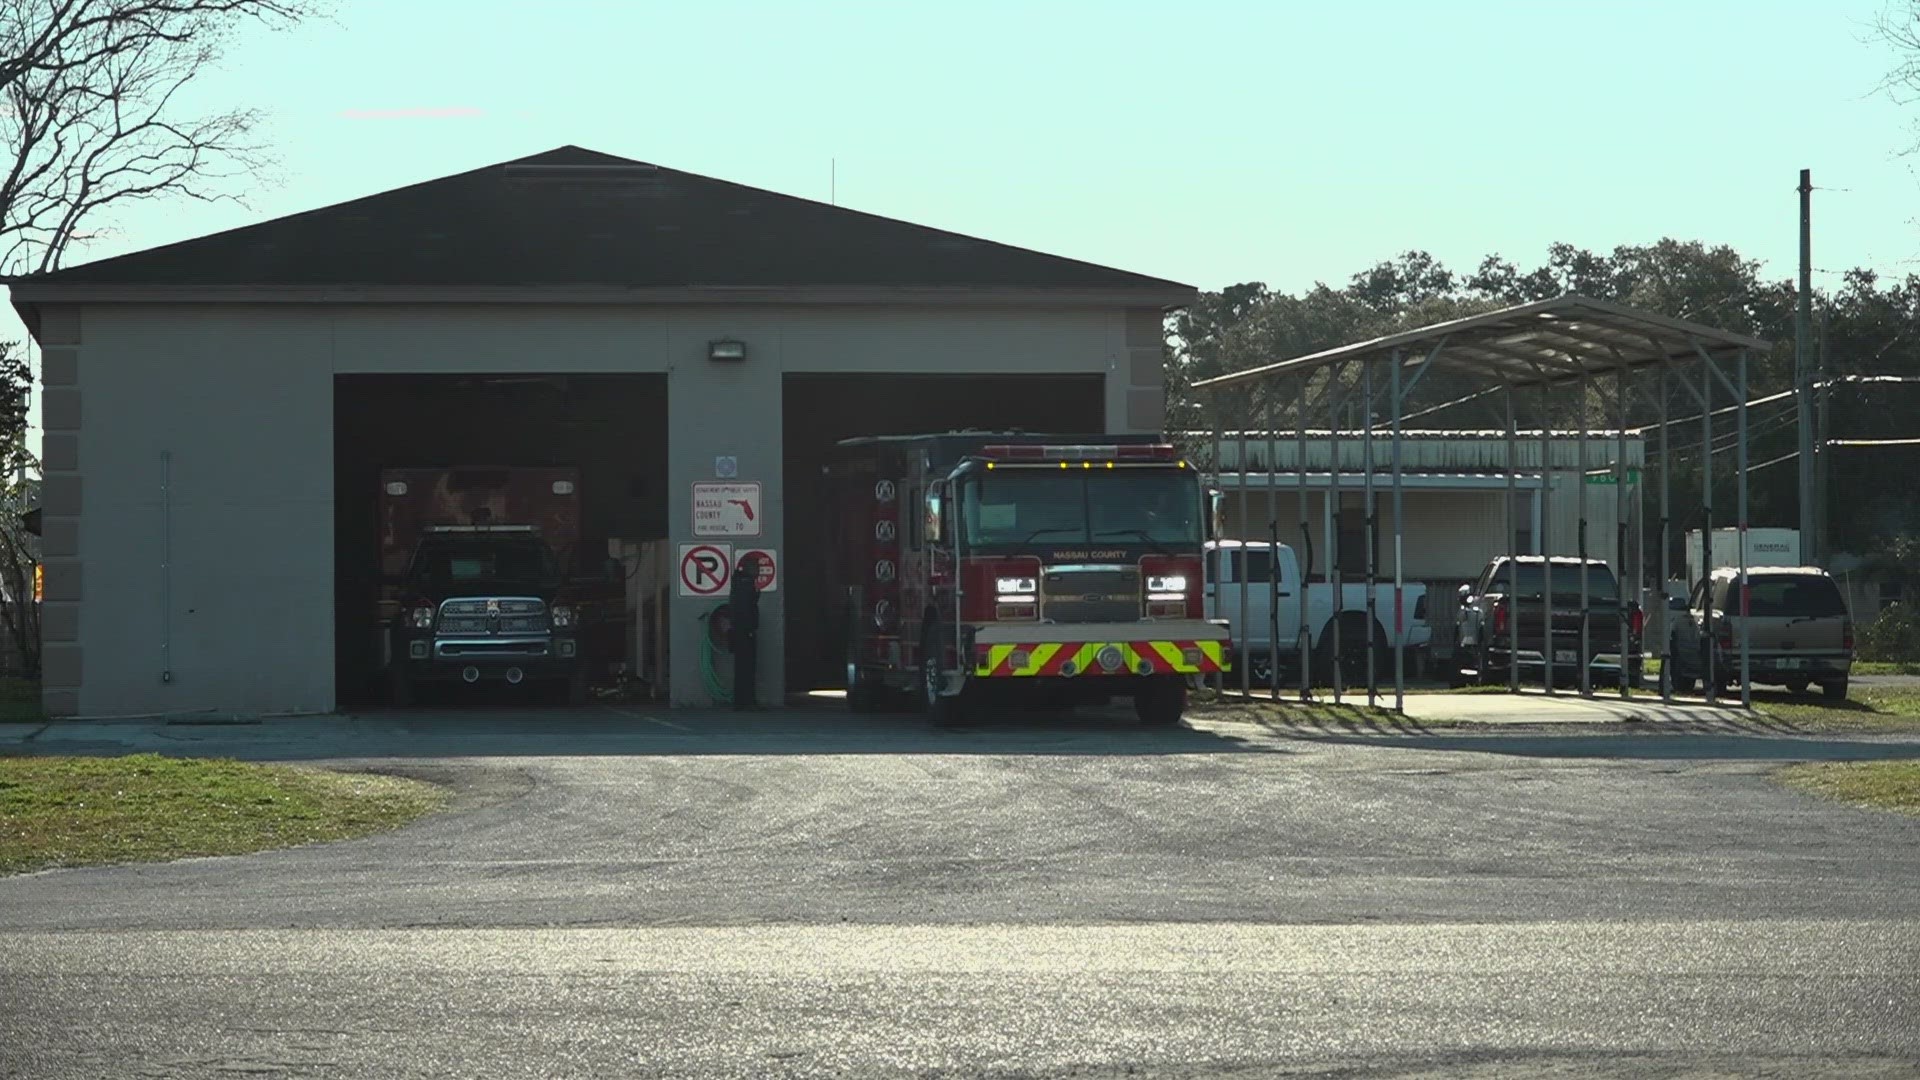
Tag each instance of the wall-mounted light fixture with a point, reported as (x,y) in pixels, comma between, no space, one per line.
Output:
(726,350)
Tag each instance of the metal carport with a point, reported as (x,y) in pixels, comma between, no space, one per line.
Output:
(1572,341)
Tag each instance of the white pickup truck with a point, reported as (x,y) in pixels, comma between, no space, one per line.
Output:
(1272,577)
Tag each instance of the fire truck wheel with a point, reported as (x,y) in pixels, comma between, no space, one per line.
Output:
(1161,702)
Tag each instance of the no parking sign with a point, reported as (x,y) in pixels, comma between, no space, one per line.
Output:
(705,569)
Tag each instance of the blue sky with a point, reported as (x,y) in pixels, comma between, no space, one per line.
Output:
(1210,142)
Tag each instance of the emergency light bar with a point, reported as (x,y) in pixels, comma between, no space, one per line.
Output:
(1036,452)
(481,528)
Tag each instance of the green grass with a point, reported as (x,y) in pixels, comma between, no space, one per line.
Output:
(20,702)
(80,811)
(1886,667)
(1887,785)
(1867,708)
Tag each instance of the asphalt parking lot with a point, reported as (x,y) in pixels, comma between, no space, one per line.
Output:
(807,893)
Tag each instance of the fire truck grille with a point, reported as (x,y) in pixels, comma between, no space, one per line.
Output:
(1093,595)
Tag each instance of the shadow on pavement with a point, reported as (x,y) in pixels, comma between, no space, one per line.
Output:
(1600,727)
(631,729)
(1735,739)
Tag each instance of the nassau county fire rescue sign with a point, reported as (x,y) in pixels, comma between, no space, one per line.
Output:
(726,509)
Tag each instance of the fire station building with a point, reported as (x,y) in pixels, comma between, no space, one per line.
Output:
(219,412)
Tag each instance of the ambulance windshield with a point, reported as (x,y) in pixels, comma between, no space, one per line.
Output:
(1121,508)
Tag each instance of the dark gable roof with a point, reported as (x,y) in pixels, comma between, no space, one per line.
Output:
(574,217)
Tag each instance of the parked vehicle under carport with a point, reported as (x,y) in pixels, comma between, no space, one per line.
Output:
(1800,633)
(1503,624)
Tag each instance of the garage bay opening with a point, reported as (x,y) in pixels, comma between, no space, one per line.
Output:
(496,536)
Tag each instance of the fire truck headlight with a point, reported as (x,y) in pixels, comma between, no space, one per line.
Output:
(1171,583)
(563,616)
(1014,586)
(422,618)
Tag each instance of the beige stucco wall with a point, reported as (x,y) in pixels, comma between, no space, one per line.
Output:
(220,595)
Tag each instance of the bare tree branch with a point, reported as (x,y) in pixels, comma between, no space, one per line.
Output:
(1898,27)
(89,113)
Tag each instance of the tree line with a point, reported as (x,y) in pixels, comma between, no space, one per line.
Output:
(1865,325)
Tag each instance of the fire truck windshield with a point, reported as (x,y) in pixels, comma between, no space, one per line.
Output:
(1154,508)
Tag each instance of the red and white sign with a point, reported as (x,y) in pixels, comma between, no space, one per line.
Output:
(769,577)
(726,509)
(705,569)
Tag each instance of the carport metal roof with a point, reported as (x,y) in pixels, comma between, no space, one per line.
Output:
(1560,340)
(1569,339)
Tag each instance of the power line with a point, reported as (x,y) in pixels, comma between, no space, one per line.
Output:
(1837,442)
(1727,440)
(1781,396)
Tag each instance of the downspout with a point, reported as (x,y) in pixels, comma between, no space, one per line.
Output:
(166,566)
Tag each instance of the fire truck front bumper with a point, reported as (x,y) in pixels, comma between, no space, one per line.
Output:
(1092,650)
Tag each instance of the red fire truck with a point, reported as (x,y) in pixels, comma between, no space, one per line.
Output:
(1030,568)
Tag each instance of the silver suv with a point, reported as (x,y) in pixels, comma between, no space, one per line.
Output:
(1797,618)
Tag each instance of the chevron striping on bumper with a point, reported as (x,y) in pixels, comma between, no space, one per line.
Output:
(1050,658)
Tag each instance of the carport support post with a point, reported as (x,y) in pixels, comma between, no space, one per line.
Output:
(1513,552)
(1373,535)
(1220,557)
(1666,542)
(1334,584)
(1546,549)
(1273,552)
(1243,566)
(1399,565)
(1706,521)
(1303,644)
(1620,521)
(1580,479)
(1746,591)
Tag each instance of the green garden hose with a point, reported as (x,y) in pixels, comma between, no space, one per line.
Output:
(718,687)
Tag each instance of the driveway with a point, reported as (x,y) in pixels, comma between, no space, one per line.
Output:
(814,894)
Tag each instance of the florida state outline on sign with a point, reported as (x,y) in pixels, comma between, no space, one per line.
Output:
(705,569)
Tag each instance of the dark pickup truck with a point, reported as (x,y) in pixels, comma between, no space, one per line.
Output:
(1503,613)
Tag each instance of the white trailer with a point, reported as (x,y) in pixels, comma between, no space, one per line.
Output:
(1765,547)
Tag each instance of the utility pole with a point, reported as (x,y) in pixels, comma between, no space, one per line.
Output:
(1803,368)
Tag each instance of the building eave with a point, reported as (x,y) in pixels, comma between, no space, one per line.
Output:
(29,295)
(49,293)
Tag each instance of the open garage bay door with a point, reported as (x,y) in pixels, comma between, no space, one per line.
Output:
(820,410)
(612,429)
